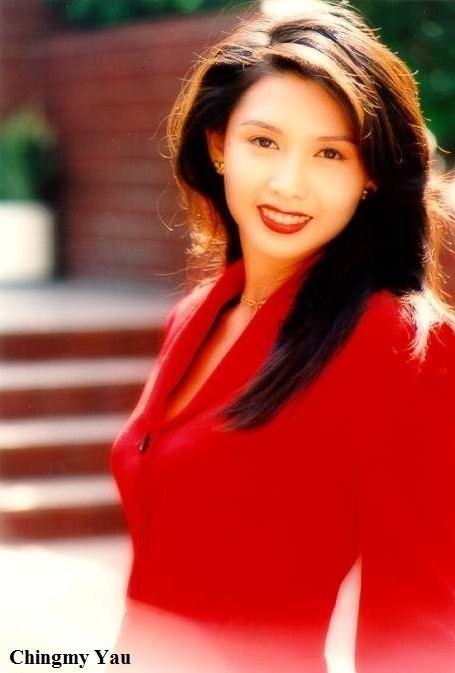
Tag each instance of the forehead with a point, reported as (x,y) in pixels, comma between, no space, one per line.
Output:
(293,103)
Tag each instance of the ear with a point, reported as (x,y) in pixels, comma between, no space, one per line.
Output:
(215,144)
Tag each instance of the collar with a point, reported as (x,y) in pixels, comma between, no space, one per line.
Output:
(245,356)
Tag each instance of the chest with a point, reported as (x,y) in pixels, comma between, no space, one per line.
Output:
(221,338)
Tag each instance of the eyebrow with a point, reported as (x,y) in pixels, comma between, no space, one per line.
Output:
(270,127)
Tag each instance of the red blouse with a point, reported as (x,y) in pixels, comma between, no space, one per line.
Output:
(261,526)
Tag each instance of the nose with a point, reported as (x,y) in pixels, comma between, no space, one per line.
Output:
(290,179)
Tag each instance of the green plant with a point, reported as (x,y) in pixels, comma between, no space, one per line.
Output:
(27,156)
(100,13)
(422,32)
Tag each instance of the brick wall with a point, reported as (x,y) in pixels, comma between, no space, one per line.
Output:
(108,93)
(22,22)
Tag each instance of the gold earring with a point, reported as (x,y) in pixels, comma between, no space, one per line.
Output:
(219,167)
(365,194)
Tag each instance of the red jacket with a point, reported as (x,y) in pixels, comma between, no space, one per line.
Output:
(261,526)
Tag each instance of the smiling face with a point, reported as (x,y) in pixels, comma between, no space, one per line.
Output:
(289,146)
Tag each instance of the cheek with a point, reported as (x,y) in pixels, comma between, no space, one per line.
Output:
(242,181)
(341,195)
(346,205)
(244,165)
(237,196)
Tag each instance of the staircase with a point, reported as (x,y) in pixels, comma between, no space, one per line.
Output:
(73,360)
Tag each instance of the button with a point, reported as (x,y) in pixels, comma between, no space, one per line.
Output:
(144,445)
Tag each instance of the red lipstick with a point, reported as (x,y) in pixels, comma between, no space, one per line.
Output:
(280,227)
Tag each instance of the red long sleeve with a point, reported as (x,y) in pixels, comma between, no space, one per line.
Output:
(257,529)
(405,485)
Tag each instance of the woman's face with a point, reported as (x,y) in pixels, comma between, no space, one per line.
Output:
(289,147)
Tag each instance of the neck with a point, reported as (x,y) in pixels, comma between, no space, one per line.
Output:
(261,280)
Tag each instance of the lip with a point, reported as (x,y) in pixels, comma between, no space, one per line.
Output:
(283,228)
(283,212)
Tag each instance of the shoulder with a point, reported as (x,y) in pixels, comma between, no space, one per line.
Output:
(405,385)
(409,323)
(384,331)
(183,309)
(411,334)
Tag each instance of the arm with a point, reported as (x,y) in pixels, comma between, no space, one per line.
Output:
(406,513)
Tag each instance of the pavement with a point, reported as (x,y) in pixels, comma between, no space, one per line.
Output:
(67,596)
(62,596)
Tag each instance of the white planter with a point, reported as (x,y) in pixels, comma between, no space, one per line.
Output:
(27,242)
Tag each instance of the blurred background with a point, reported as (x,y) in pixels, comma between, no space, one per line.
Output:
(92,255)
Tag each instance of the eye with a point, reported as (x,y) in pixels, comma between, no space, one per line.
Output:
(261,141)
(331,153)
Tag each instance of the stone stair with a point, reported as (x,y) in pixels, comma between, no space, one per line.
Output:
(70,386)
(73,360)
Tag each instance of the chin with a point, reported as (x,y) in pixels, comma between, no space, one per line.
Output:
(289,252)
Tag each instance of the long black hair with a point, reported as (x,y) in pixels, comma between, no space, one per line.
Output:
(392,241)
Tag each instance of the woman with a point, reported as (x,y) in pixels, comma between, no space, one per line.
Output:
(299,416)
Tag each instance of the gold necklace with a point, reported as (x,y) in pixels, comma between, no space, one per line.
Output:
(252,303)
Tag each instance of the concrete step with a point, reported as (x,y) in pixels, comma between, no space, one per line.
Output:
(74,357)
(81,343)
(71,386)
(73,319)
(57,446)
(59,507)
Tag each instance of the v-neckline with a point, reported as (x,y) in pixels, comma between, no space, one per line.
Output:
(196,329)
(209,379)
